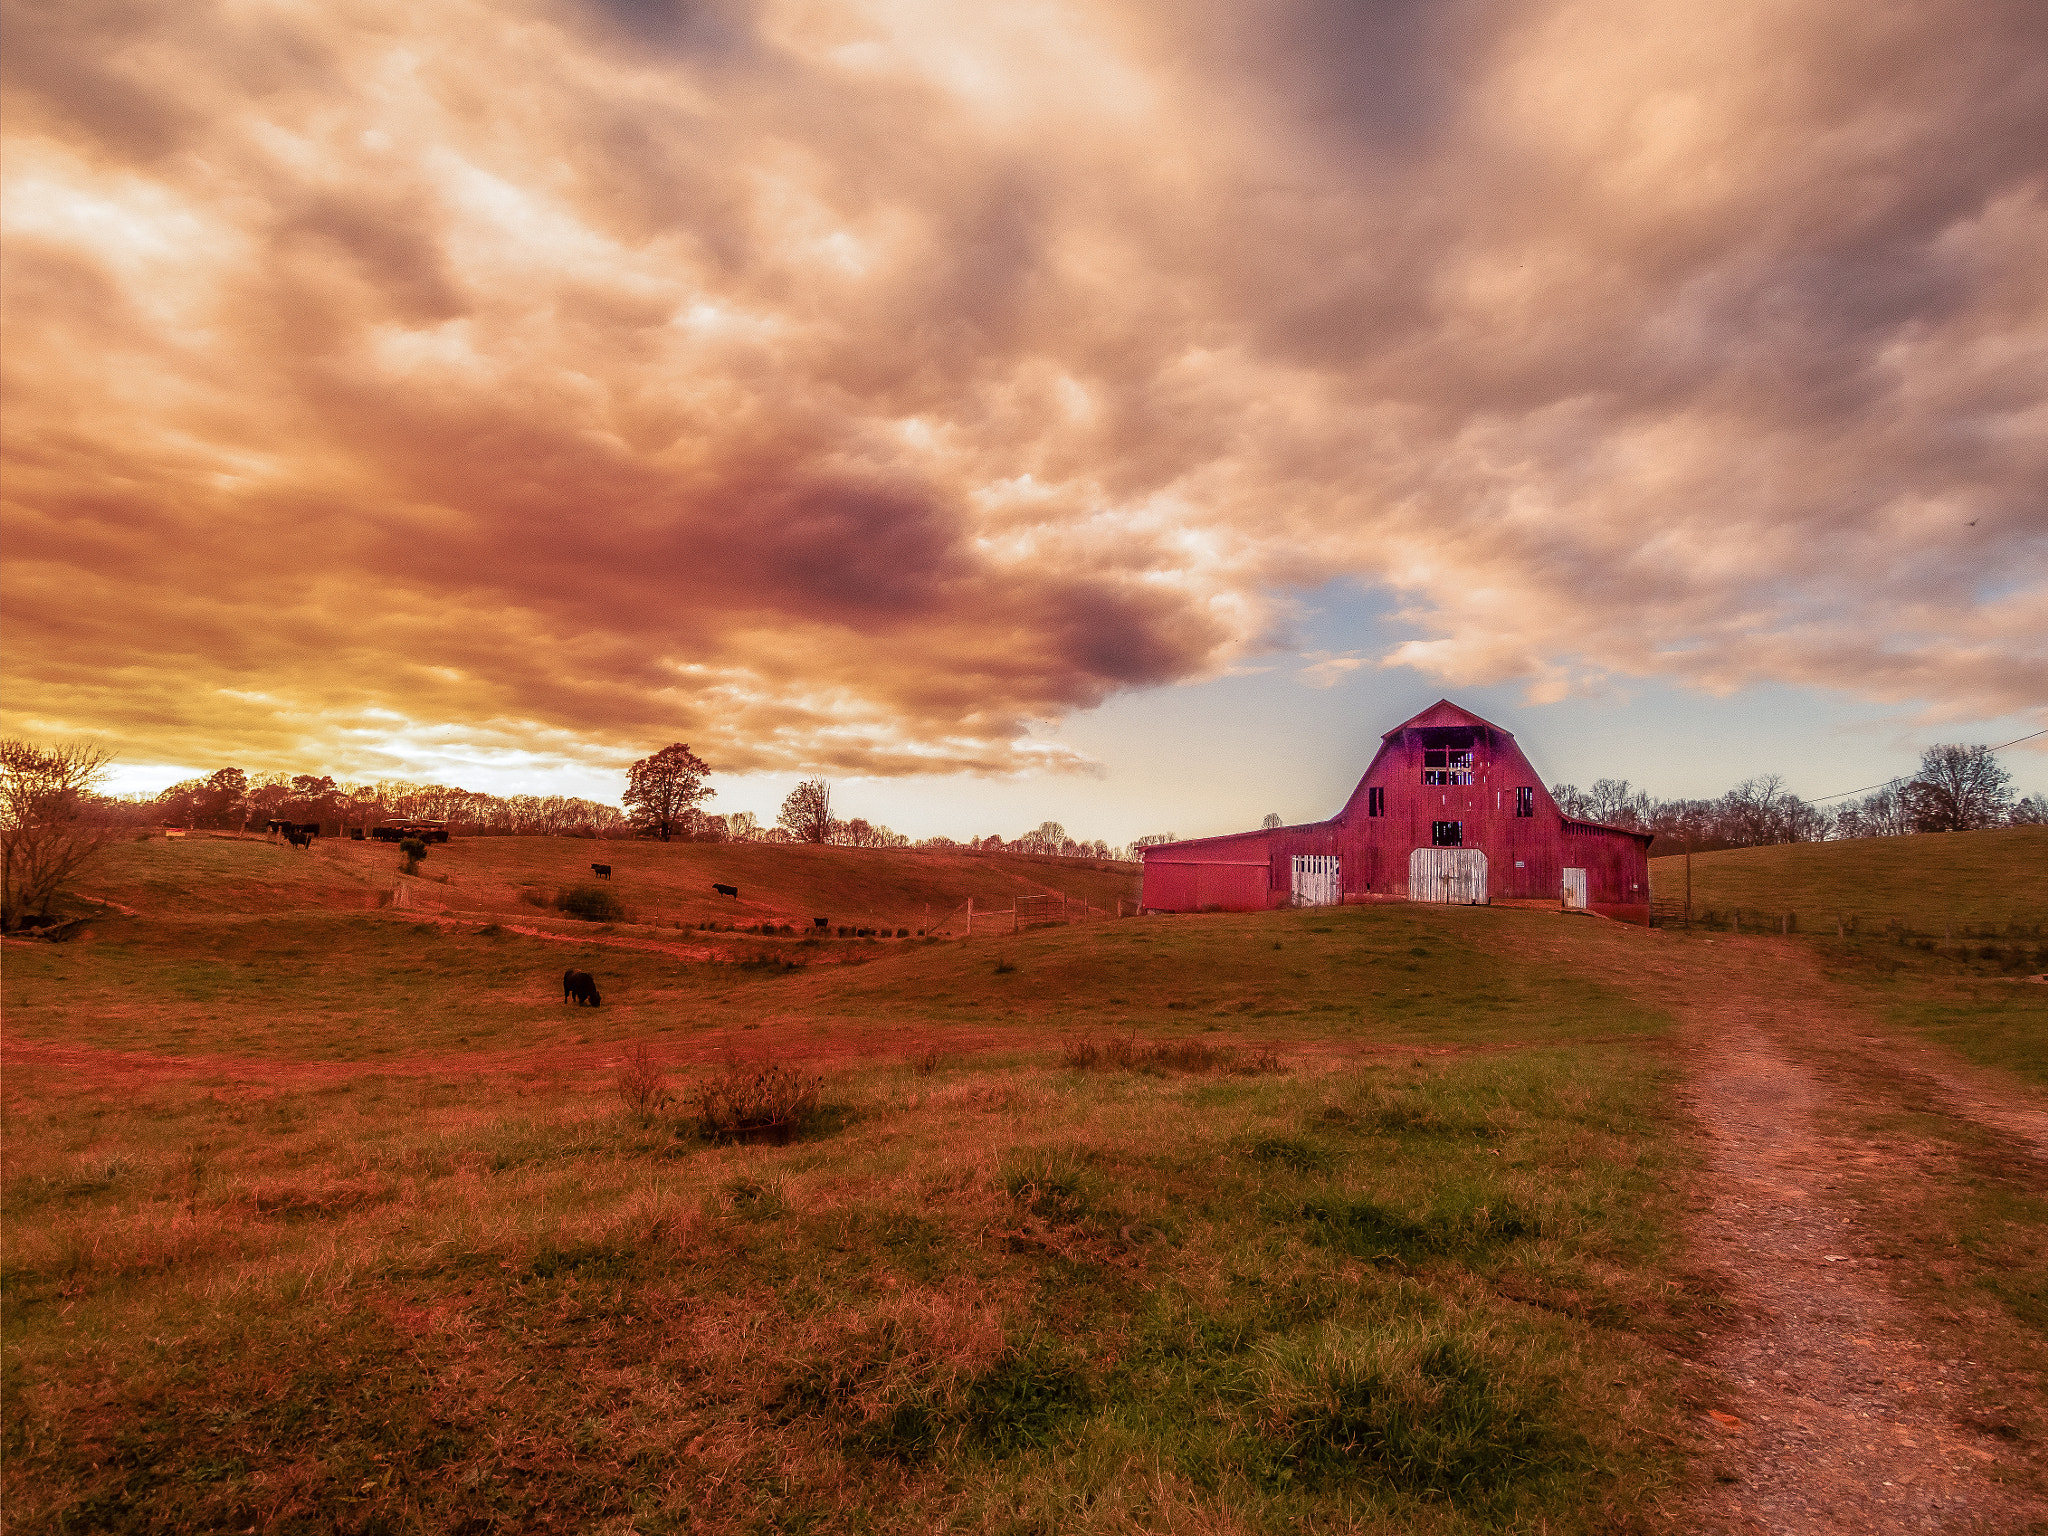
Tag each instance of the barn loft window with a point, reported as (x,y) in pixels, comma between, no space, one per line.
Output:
(1375,802)
(1525,800)
(1447,834)
(1447,765)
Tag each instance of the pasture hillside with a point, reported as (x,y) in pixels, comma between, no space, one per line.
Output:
(661,884)
(1980,881)
(1361,1218)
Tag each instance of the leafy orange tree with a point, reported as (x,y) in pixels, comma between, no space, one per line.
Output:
(661,790)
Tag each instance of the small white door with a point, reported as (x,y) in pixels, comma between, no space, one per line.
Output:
(1575,890)
(1456,875)
(1315,880)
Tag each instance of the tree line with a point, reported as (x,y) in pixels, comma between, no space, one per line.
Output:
(1955,789)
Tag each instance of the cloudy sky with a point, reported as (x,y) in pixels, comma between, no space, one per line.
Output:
(1112,410)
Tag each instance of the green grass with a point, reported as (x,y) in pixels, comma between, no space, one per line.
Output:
(358,986)
(1986,881)
(1012,1297)
(1980,1008)
(387,1251)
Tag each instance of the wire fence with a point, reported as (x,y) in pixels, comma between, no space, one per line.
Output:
(2019,941)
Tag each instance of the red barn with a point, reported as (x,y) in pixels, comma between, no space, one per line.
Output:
(1450,810)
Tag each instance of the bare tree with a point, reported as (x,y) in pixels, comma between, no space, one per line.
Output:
(1272,821)
(807,814)
(48,825)
(1573,801)
(2030,812)
(1959,789)
(1883,813)
(659,789)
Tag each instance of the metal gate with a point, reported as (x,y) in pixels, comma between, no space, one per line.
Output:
(1456,875)
(1575,890)
(1315,880)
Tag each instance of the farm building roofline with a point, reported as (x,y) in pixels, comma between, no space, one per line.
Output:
(1444,713)
(1601,826)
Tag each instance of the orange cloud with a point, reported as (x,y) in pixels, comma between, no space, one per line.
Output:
(852,386)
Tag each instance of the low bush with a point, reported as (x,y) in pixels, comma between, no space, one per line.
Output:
(642,1084)
(591,903)
(771,1103)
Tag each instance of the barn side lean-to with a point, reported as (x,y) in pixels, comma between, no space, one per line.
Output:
(1450,811)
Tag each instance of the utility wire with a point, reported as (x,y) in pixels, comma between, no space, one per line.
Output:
(1904,777)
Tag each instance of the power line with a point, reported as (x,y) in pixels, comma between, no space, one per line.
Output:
(1902,778)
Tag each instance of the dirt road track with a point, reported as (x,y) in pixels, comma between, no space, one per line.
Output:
(1841,1412)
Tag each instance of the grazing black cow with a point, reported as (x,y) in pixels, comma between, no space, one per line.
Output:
(580,987)
(728,890)
(604,870)
(821,922)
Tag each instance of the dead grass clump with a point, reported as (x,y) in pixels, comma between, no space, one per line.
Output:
(330,1198)
(1125,1053)
(771,1103)
(642,1084)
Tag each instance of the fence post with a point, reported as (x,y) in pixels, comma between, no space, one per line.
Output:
(1735,922)
(970,917)
(1784,925)
(1838,927)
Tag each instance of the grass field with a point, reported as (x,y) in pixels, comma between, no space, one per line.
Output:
(1937,930)
(661,884)
(1980,881)
(326,1217)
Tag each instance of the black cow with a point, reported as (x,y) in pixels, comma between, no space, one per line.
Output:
(580,987)
(602,869)
(728,890)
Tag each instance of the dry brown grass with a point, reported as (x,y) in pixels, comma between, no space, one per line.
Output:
(483,1279)
(1127,1053)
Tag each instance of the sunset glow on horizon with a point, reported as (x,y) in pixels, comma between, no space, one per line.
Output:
(907,393)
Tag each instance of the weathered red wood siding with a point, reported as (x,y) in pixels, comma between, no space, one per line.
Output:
(1526,855)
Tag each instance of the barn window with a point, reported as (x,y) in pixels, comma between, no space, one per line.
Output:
(1447,765)
(1447,834)
(1525,800)
(1375,802)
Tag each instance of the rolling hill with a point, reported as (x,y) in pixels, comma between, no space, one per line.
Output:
(662,884)
(1974,880)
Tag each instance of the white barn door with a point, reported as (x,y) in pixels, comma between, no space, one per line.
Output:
(1456,875)
(1315,880)
(1575,890)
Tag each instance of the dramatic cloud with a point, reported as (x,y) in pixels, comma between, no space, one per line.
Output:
(853,385)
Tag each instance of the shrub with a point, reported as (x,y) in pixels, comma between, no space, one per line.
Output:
(772,1103)
(641,1083)
(592,903)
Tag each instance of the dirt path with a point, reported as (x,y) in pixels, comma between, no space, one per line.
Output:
(1844,1412)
